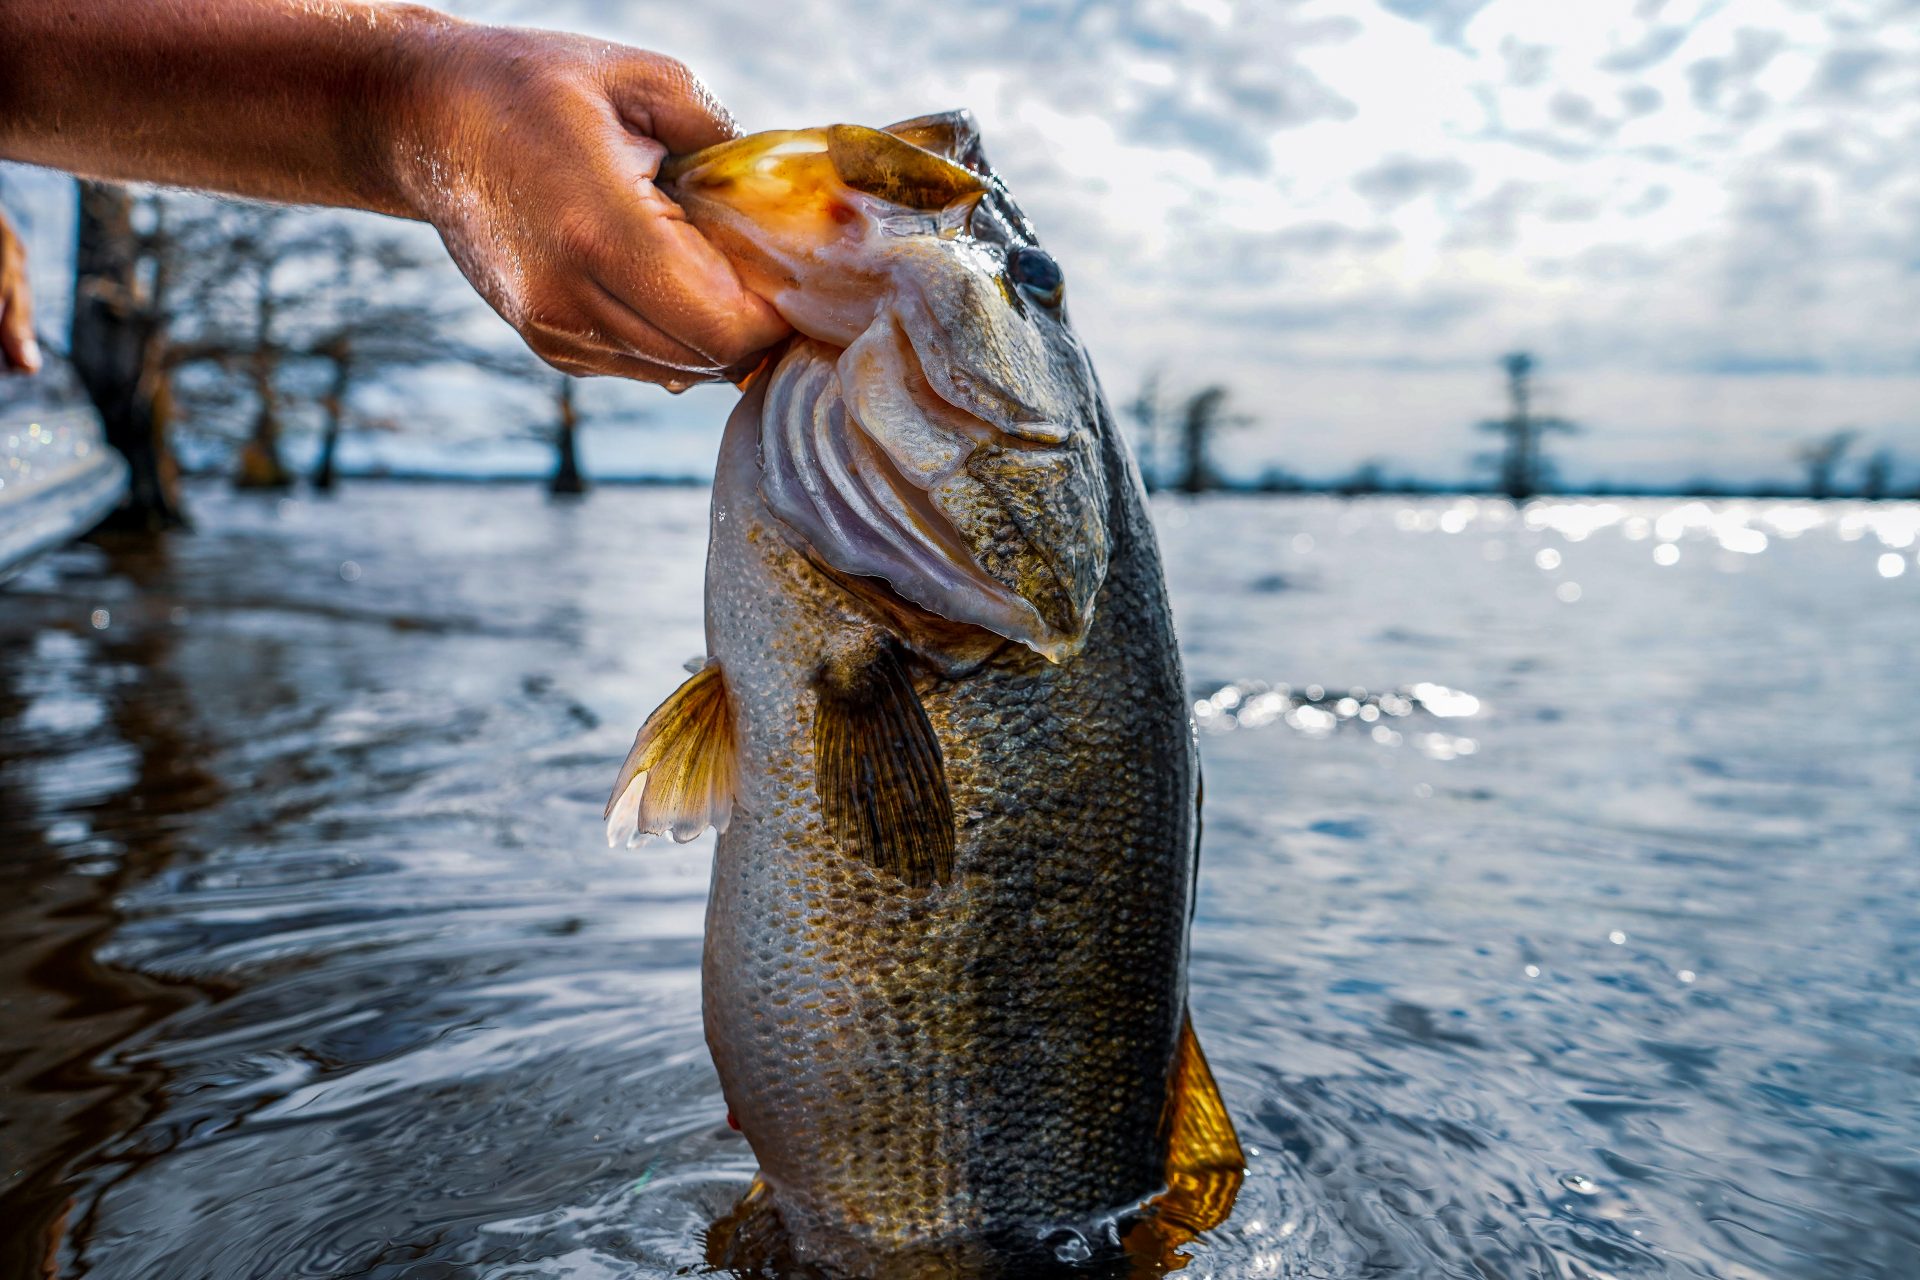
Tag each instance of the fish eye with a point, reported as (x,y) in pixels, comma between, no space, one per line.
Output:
(1035,270)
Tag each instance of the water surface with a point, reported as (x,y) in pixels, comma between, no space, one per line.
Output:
(1558,911)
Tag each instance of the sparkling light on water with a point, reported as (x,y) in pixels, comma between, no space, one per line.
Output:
(1317,711)
(1442,701)
(1743,527)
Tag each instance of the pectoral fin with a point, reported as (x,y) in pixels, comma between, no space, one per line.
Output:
(881,778)
(1204,1163)
(679,777)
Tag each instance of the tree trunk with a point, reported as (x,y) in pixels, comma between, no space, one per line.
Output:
(260,465)
(1521,473)
(1876,480)
(335,406)
(1194,477)
(118,350)
(567,480)
(323,468)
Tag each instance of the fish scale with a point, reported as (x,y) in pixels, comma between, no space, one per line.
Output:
(943,730)
(1003,1046)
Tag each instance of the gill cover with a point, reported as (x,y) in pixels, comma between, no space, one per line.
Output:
(935,426)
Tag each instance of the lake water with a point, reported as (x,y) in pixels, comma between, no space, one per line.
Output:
(1560,910)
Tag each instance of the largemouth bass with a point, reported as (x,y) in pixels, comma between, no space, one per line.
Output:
(942,730)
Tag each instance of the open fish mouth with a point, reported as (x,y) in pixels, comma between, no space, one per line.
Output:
(887,478)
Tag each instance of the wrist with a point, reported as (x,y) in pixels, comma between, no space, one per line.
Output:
(414,80)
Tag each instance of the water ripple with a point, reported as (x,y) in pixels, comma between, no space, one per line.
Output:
(1567,933)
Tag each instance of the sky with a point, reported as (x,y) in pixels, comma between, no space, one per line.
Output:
(1702,216)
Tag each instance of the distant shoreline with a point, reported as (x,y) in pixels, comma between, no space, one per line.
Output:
(1700,491)
(345,478)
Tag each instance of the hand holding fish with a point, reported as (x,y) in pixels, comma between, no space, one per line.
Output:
(19,353)
(536,159)
(532,153)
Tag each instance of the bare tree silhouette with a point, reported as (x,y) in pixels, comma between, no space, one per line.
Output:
(283,315)
(567,480)
(1522,464)
(1821,458)
(1876,476)
(1204,416)
(227,318)
(1148,410)
(117,344)
(571,411)
(371,329)
(1370,476)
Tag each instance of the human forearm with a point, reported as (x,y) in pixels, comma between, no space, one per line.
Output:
(307,101)
(533,153)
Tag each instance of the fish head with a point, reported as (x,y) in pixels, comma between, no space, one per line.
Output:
(936,425)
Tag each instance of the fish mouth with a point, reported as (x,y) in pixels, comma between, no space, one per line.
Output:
(887,478)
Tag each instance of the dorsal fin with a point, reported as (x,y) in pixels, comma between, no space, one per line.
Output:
(881,778)
(953,134)
(679,778)
(888,166)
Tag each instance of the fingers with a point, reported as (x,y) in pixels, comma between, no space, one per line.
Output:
(659,97)
(586,330)
(19,352)
(598,270)
(620,326)
(670,274)
(585,356)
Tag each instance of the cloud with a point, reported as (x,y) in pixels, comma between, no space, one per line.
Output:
(1447,18)
(1652,48)
(1398,179)
(1493,221)
(1347,208)
(1641,99)
(1407,313)
(1338,206)
(1321,238)
(1849,74)
(1717,80)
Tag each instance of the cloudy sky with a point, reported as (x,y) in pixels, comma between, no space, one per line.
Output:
(1703,216)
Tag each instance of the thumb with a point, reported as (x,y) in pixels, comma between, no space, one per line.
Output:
(659,97)
(18,349)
